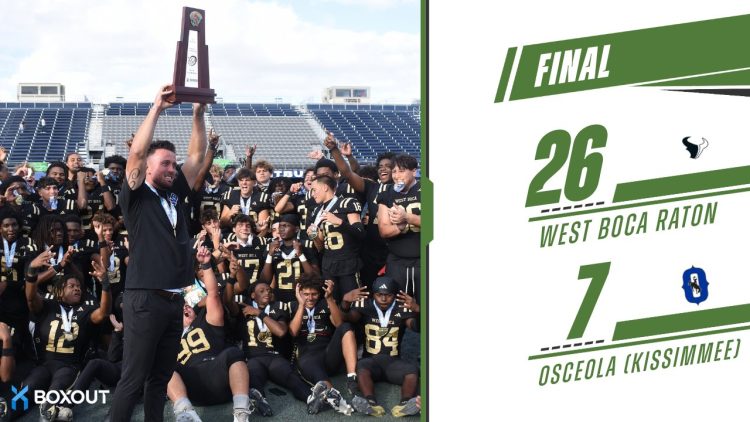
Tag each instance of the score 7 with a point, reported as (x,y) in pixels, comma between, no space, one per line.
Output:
(598,274)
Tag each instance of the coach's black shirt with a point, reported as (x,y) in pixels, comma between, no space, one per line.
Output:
(160,257)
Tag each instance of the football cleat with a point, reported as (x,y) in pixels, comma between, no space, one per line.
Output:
(337,402)
(47,412)
(242,415)
(316,398)
(260,402)
(187,415)
(368,407)
(352,387)
(64,414)
(405,408)
(4,413)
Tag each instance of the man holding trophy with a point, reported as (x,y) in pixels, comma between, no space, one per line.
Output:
(153,205)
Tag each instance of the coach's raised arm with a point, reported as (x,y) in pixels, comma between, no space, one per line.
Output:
(136,166)
(160,260)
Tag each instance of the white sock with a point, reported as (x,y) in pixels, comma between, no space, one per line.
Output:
(182,405)
(241,401)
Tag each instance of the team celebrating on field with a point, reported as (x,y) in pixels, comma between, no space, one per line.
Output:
(292,281)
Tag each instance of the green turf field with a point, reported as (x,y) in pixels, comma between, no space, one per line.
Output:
(284,405)
(285,408)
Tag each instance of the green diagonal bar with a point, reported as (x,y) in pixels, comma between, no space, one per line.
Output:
(734,78)
(505,76)
(684,183)
(634,57)
(674,323)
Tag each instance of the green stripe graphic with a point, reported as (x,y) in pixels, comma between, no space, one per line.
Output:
(730,78)
(572,351)
(683,183)
(507,67)
(686,321)
(634,57)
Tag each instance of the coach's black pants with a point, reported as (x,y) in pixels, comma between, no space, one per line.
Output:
(153,326)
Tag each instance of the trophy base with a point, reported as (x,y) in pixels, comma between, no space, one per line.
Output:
(183,94)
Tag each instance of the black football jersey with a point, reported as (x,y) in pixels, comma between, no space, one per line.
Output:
(372,190)
(31,212)
(259,201)
(405,245)
(200,340)
(116,268)
(324,328)
(251,257)
(287,270)
(51,340)
(68,190)
(339,244)
(94,203)
(382,340)
(65,206)
(115,188)
(256,342)
(30,216)
(210,199)
(345,190)
(304,205)
(13,300)
(84,248)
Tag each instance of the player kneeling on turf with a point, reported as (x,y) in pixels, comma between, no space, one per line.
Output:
(385,317)
(324,341)
(64,326)
(207,371)
(265,322)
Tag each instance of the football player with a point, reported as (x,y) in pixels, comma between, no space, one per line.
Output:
(263,326)
(337,230)
(384,318)
(49,202)
(324,342)
(374,255)
(287,260)
(207,371)
(93,195)
(298,199)
(249,250)
(399,222)
(64,327)
(248,201)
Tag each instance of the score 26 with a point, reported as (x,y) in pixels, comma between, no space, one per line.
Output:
(575,189)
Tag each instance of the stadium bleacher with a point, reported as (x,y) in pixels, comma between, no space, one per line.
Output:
(284,133)
(372,129)
(50,130)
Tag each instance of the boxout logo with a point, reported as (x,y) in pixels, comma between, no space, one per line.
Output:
(71,397)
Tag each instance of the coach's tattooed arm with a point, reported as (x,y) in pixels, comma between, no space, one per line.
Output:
(135,170)
(196,153)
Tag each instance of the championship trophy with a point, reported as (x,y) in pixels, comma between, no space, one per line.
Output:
(190,82)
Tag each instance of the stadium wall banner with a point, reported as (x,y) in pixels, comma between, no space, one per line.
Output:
(615,284)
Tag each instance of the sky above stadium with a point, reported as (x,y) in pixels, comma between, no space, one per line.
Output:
(259,50)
